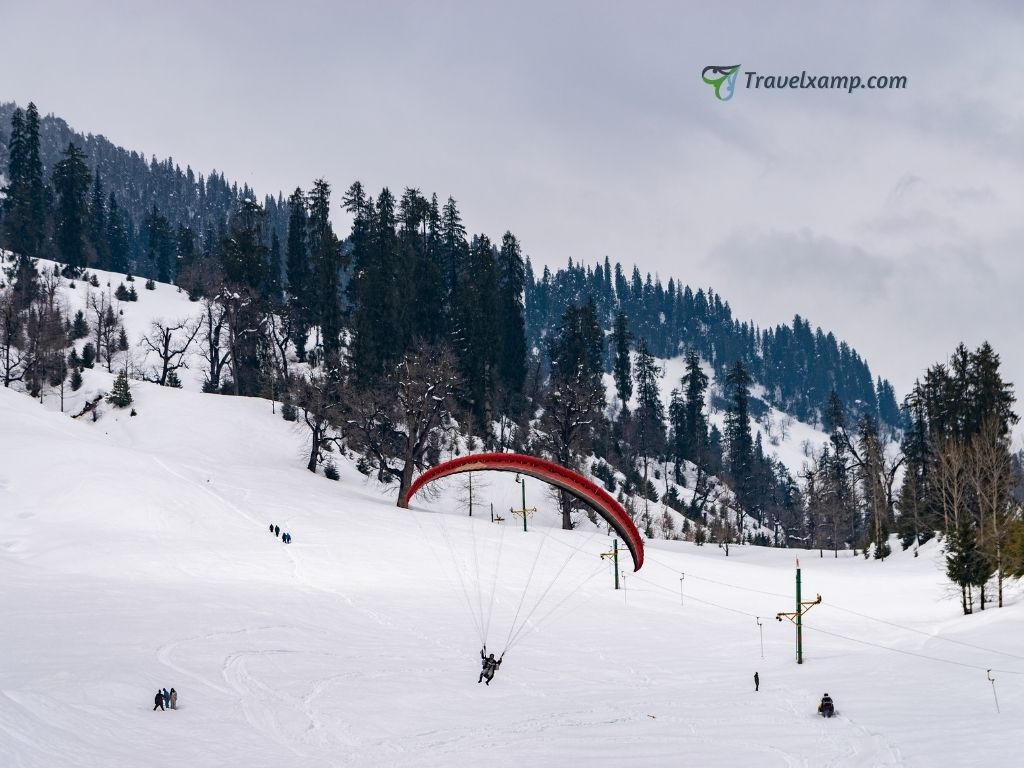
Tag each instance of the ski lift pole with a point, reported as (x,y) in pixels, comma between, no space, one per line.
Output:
(614,555)
(524,511)
(681,577)
(760,630)
(802,606)
(992,680)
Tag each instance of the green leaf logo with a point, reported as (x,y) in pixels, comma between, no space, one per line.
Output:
(721,79)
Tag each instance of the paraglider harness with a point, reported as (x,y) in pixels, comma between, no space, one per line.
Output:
(490,665)
(826,708)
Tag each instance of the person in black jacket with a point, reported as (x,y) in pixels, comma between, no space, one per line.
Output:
(757,682)
(827,708)
(158,701)
(490,665)
(277,530)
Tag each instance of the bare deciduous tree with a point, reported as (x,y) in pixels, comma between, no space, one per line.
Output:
(215,355)
(170,343)
(408,415)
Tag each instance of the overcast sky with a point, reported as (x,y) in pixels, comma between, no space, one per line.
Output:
(894,218)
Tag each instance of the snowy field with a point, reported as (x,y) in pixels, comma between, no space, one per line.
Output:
(134,554)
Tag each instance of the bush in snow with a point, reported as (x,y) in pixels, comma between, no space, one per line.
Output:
(76,380)
(79,326)
(331,471)
(121,294)
(121,395)
(88,355)
(150,285)
(289,412)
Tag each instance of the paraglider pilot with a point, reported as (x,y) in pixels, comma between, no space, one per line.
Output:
(490,665)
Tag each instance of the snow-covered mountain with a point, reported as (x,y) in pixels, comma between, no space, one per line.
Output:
(789,440)
(134,554)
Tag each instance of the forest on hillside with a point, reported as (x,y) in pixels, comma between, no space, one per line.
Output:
(408,334)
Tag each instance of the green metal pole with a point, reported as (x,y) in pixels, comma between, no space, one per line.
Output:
(615,559)
(522,481)
(799,620)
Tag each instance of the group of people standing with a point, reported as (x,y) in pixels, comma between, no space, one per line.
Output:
(285,537)
(165,699)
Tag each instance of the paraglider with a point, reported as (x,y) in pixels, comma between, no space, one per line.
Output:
(583,489)
(468,577)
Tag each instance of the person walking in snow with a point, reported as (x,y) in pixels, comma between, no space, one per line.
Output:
(167,697)
(287,538)
(271,527)
(277,530)
(174,699)
(757,682)
(158,701)
(490,666)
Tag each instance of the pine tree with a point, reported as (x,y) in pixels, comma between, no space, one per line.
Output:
(121,395)
(325,255)
(622,366)
(512,342)
(117,236)
(79,326)
(476,343)
(737,434)
(71,181)
(377,321)
(300,301)
(695,382)
(24,203)
(649,419)
(98,224)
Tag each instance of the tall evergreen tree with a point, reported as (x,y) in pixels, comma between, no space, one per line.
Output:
(325,255)
(510,316)
(71,180)
(737,433)
(117,236)
(24,203)
(622,365)
(300,291)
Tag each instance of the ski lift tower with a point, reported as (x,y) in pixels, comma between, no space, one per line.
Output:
(525,512)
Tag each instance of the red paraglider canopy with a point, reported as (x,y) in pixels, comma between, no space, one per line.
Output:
(589,493)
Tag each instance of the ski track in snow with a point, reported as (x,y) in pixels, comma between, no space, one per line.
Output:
(137,555)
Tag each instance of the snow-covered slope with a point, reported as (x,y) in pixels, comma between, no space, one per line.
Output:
(134,554)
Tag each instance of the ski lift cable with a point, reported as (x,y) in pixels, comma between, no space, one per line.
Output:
(912,653)
(714,581)
(929,635)
(695,599)
(846,637)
